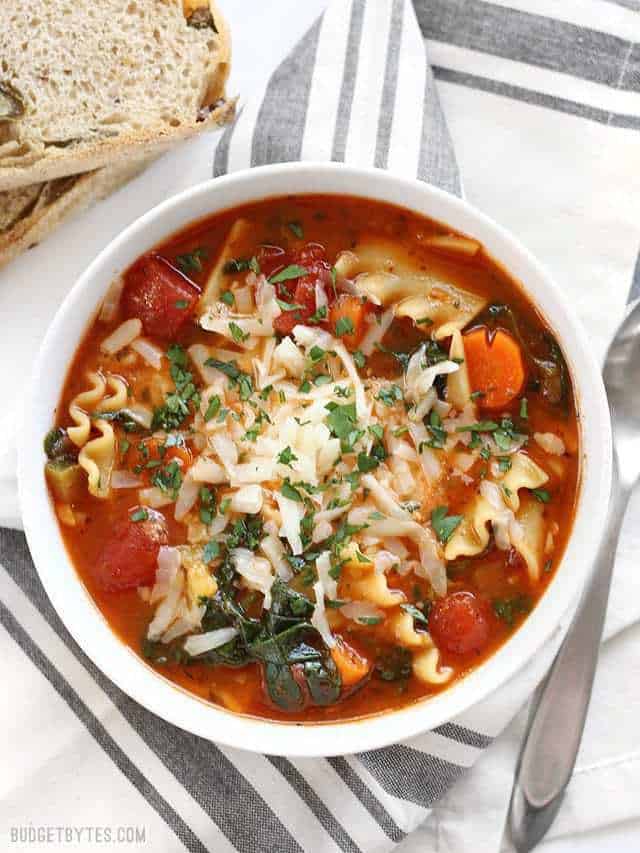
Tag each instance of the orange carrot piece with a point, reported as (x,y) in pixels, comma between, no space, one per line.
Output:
(347,319)
(495,367)
(352,666)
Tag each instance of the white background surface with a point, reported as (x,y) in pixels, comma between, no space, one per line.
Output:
(32,287)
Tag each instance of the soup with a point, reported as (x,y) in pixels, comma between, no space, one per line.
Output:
(317,457)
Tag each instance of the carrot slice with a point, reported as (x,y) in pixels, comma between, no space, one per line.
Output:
(352,666)
(495,366)
(347,319)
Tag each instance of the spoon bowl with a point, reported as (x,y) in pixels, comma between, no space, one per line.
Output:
(621,375)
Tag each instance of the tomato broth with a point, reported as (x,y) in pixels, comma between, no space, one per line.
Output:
(316,458)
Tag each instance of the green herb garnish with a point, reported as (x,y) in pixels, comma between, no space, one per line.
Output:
(444,525)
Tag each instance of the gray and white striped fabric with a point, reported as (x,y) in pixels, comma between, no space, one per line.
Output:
(357,88)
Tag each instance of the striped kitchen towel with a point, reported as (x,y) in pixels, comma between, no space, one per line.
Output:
(356,88)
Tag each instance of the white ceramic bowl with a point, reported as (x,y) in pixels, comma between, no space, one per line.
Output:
(75,606)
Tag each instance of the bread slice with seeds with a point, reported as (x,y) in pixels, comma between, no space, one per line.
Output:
(85,84)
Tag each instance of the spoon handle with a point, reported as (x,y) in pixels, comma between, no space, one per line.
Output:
(559,707)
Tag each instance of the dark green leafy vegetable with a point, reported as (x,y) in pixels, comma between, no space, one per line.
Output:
(393,664)
(58,446)
(544,360)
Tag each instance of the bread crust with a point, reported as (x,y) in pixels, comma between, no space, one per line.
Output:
(140,144)
(86,189)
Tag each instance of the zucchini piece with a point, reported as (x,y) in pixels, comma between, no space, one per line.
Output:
(66,480)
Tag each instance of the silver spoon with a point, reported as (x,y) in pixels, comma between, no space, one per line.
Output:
(559,707)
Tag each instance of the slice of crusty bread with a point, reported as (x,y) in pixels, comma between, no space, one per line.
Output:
(28,214)
(86,83)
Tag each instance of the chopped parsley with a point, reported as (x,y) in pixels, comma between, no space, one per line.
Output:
(289,272)
(181,304)
(479,426)
(236,265)
(177,405)
(296,229)
(140,514)
(418,615)
(316,353)
(359,359)
(213,407)
(289,306)
(508,609)
(444,525)
(436,431)
(524,408)
(541,495)
(237,334)
(207,505)
(287,456)
(343,423)
(318,315)
(239,379)
(344,326)
(289,491)
(191,261)
(390,395)
(168,479)
(245,533)
(227,297)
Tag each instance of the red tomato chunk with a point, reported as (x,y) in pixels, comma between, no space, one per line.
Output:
(129,558)
(159,295)
(301,291)
(458,623)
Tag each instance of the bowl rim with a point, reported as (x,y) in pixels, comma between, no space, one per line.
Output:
(73,602)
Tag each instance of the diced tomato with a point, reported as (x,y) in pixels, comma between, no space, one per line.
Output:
(146,456)
(309,253)
(159,295)
(302,292)
(458,623)
(129,558)
(271,259)
(351,312)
